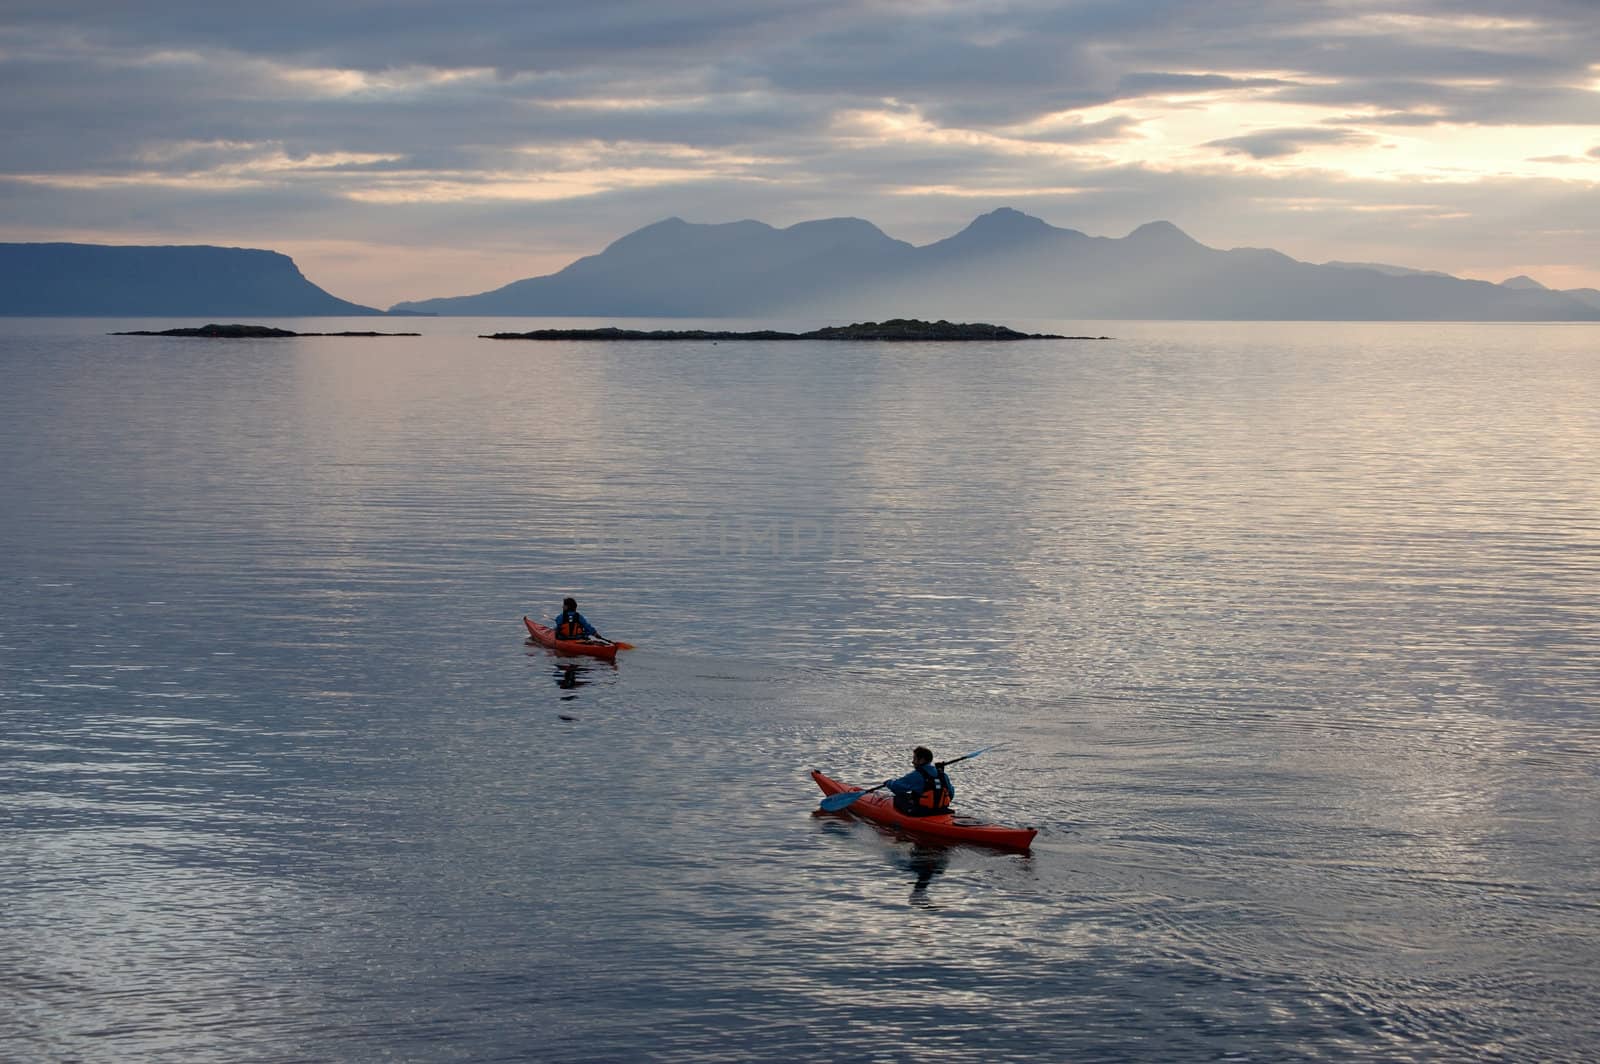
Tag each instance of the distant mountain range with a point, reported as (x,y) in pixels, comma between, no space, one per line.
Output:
(1004,265)
(1590,296)
(97,280)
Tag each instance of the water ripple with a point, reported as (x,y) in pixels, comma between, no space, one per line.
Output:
(1289,634)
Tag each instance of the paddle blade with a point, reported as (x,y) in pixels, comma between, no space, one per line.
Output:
(624,646)
(969,757)
(835,802)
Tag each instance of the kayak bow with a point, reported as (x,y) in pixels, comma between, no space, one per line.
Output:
(946,827)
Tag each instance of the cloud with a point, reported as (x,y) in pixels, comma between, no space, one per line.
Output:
(1074,130)
(1276,143)
(1153,83)
(1396,118)
(505,123)
(373,35)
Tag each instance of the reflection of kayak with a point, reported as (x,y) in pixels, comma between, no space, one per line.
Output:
(946,827)
(602,649)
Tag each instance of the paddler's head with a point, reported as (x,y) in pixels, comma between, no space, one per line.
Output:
(570,605)
(921,756)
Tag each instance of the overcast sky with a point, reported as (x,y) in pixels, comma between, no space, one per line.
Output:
(405,149)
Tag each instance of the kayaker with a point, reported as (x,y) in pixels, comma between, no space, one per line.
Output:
(925,790)
(570,624)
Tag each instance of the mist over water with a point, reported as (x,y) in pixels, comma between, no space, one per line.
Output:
(1290,631)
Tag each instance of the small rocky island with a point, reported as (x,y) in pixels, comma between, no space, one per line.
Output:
(893,329)
(247,332)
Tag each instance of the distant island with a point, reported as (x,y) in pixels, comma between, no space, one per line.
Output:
(1004,264)
(127,281)
(246,332)
(893,329)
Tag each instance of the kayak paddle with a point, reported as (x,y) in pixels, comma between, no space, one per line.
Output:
(835,802)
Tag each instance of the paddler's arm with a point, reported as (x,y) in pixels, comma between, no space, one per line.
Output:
(910,783)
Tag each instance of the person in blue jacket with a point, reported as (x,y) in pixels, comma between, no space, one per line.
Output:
(570,624)
(925,790)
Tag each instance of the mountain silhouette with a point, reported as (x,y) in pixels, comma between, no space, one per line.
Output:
(677,269)
(99,280)
(1004,264)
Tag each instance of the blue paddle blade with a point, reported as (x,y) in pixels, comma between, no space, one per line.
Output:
(835,802)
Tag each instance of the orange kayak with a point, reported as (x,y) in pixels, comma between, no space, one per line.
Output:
(946,827)
(603,648)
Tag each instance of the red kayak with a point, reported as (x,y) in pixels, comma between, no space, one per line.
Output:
(601,648)
(946,827)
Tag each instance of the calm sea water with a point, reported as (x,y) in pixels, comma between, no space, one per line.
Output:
(1290,632)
